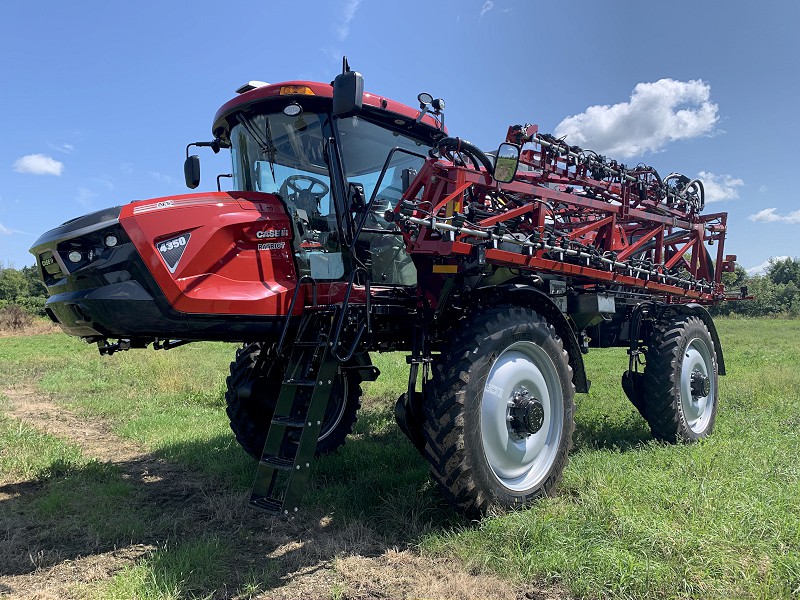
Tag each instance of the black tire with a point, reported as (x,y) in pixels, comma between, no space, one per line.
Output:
(676,409)
(250,418)
(465,416)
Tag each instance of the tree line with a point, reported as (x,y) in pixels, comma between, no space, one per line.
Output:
(776,292)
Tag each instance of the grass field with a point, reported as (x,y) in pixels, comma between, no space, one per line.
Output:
(632,519)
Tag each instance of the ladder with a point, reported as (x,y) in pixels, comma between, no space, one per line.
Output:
(314,362)
(285,463)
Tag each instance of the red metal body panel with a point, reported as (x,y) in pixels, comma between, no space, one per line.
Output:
(238,259)
(322,90)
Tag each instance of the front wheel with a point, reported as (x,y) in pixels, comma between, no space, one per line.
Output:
(250,414)
(680,380)
(498,428)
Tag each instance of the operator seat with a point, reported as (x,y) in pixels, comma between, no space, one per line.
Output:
(308,201)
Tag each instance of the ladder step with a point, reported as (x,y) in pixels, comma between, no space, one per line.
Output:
(284,464)
(269,505)
(289,422)
(315,344)
(322,308)
(301,382)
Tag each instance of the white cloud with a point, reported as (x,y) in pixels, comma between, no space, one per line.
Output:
(720,187)
(65,148)
(762,268)
(86,196)
(770,215)
(38,164)
(487,6)
(348,13)
(8,231)
(657,113)
(102,181)
(762,188)
(162,177)
(332,53)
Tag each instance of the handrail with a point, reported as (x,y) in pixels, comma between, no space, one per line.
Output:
(366,326)
(377,186)
(303,279)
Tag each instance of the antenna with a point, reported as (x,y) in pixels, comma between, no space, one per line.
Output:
(345,65)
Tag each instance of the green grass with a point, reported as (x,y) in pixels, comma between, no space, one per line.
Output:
(637,519)
(632,519)
(171,572)
(27,453)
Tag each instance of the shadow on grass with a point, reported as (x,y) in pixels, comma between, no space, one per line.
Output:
(608,424)
(185,509)
(187,504)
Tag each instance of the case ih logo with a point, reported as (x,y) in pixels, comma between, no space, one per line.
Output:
(269,234)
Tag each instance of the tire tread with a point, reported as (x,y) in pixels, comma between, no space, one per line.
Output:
(444,429)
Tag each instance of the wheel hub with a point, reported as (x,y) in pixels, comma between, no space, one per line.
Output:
(525,414)
(700,385)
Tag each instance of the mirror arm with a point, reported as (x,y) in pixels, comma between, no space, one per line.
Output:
(214,145)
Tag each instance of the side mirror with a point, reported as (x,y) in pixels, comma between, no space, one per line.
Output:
(348,94)
(191,171)
(506,163)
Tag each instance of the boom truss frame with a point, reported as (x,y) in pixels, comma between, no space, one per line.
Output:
(572,213)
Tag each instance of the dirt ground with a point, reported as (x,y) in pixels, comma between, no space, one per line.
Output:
(309,557)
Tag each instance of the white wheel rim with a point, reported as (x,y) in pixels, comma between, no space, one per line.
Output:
(697,410)
(521,464)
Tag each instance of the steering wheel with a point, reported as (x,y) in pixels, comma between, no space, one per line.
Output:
(458,151)
(291,184)
(306,198)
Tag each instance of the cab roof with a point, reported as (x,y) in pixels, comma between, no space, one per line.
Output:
(405,115)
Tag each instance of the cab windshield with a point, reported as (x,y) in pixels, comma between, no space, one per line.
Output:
(365,147)
(285,155)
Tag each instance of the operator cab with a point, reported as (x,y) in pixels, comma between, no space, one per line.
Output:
(285,140)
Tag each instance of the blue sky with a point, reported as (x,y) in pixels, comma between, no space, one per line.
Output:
(99,99)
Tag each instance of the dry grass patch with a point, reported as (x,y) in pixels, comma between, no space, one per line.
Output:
(404,574)
(22,327)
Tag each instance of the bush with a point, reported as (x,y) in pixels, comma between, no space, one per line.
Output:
(14,318)
(23,288)
(34,305)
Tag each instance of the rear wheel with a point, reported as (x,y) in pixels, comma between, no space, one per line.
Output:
(250,416)
(498,428)
(680,380)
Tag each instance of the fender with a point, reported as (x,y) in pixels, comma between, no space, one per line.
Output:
(529,297)
(698,310)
